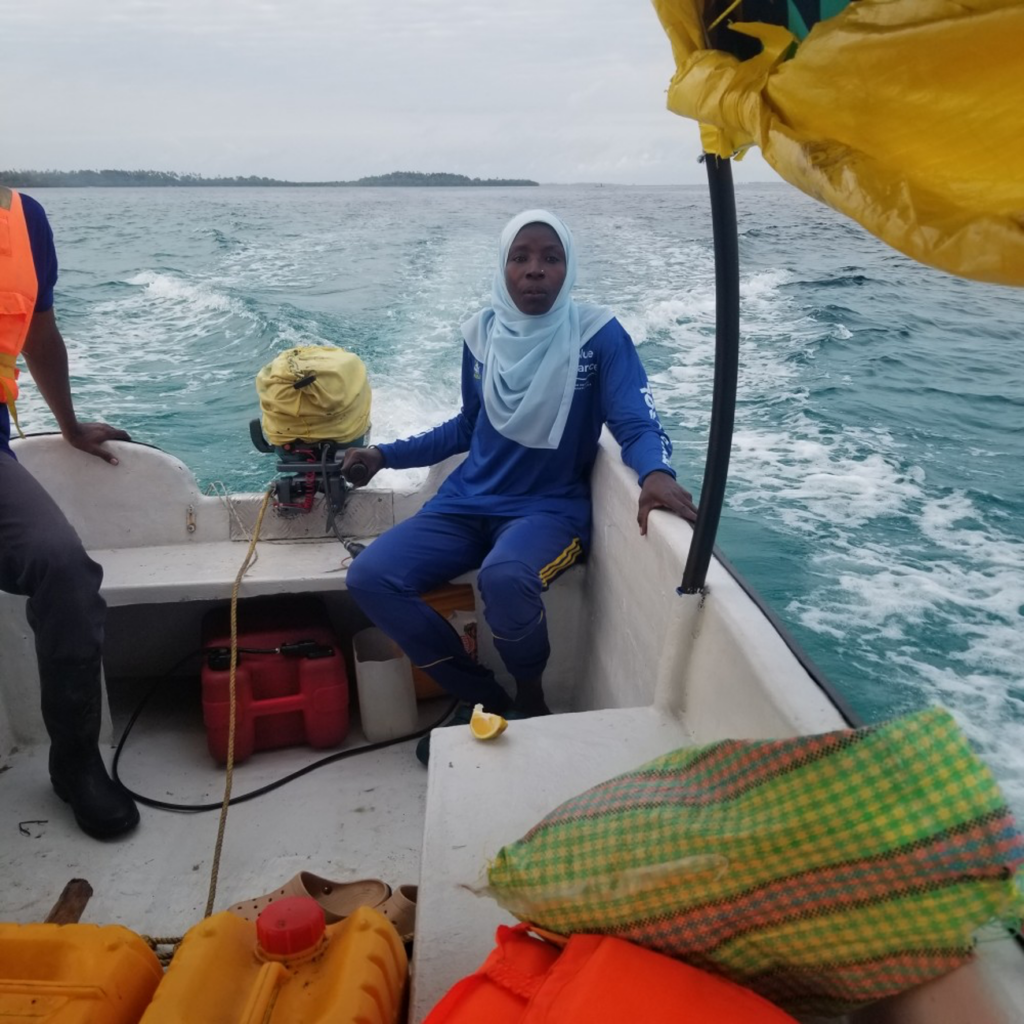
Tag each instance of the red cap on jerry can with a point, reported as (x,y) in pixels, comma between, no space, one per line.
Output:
(290,926)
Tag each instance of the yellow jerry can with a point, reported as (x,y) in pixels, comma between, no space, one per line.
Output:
(287,968)
(75,974)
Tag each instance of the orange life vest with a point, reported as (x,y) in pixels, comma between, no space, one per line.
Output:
(19,287)
(596,979)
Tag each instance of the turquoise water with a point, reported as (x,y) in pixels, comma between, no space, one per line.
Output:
(877,492)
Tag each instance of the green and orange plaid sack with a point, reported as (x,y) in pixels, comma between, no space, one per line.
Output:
(823,872)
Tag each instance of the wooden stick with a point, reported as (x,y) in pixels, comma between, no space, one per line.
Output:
(71,903)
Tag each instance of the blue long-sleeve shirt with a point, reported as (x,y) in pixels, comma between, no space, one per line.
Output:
(504,478)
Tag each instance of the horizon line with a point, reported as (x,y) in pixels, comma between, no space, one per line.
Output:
(266,181)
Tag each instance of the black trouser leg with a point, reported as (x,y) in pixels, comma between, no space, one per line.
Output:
(42,558)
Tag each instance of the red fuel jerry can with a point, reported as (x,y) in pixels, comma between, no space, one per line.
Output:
(291,686)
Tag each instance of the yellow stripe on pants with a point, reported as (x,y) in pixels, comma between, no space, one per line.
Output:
(563,561)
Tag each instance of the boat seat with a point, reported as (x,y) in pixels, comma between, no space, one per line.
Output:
(189,546)
(481,796)
(196,572)
(160,539)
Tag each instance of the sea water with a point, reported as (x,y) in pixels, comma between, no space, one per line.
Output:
(876,495)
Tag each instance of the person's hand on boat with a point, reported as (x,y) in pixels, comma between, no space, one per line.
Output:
(90,438)
(660,490)
(361,465)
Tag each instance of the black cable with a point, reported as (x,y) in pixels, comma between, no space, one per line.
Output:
(727,355)
(327,495)
(353,547)
(165,805)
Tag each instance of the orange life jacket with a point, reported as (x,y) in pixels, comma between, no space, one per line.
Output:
(19,287)
(596,979)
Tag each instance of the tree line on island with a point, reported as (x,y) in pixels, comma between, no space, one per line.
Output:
(121,179)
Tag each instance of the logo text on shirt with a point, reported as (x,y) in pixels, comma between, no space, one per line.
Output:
(586,370)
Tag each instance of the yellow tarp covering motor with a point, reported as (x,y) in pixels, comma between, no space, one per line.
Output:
(906,115)
(314,393)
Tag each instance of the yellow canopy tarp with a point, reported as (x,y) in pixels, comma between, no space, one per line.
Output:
(906,115)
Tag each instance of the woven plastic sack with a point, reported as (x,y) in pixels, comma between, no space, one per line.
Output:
(823,872)
(314,393)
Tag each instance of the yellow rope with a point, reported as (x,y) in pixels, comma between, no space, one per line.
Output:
(732,7)
(215,869)
(164,956)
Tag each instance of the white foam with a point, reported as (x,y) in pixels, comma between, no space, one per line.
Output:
(814,481)
(398,413)
(157,324)
(963,585)
(177,289)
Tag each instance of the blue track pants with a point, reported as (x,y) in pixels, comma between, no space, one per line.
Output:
(517,559)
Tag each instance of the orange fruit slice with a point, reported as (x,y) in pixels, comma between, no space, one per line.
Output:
(486,726)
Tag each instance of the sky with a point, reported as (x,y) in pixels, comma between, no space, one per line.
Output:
(554,90)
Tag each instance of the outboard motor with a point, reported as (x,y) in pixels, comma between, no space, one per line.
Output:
(315,402)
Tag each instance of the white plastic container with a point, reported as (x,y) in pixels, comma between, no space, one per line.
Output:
(387,699)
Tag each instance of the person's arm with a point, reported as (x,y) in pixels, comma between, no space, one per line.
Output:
(426,449)
(47,360)
(432,446)
(633,420)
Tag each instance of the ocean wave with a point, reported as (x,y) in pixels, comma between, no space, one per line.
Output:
(813,479)
(197,295)
(948,575)
(841,281)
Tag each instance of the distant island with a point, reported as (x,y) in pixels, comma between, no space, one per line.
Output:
(164,179)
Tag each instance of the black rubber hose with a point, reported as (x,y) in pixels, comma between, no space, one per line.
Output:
(165,805)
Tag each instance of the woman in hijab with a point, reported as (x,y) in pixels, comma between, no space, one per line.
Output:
(541,375)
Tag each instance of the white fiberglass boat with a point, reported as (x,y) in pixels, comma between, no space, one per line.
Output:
(641,665)
(637,670)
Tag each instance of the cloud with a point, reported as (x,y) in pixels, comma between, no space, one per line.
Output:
(326,89)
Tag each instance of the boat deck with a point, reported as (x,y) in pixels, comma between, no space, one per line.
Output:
(360,817)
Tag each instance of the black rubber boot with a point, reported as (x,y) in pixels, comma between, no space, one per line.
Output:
(529,700)
(71,695)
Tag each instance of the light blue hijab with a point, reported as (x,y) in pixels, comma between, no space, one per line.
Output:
(530,362)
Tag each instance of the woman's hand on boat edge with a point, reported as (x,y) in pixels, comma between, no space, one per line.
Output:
(660,490)
(361,465)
